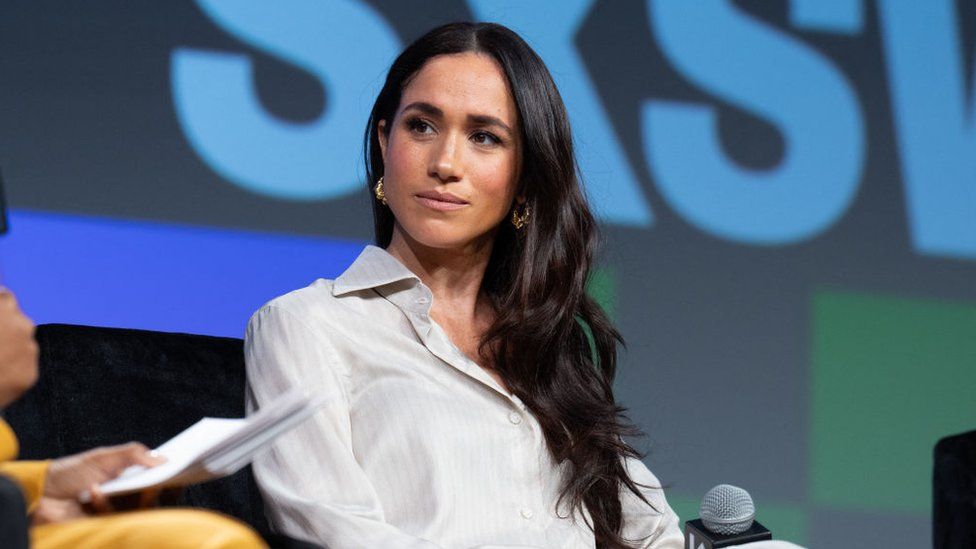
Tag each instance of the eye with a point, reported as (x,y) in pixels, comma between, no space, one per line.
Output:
(485,138)
(419,126)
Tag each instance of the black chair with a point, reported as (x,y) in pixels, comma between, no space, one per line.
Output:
(104,386)
(954,492)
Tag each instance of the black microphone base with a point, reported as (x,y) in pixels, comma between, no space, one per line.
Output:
(698,537)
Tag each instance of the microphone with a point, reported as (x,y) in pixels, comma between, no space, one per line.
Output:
(727,519)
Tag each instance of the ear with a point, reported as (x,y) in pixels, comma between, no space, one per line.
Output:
(383,137)
(520,199)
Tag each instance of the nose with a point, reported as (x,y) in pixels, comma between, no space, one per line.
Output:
(445,162)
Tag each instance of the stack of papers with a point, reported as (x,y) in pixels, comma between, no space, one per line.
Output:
(215,447)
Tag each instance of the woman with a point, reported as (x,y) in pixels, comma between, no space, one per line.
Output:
(48,490)
(470,374)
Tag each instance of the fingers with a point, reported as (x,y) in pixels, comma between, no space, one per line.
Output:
(98,503)
(114,459)
(68,476)
(153,458)
(148,498)
(139,454)
(50,511)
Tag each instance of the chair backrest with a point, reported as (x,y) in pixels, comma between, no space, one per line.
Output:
(103,386)
(954,492)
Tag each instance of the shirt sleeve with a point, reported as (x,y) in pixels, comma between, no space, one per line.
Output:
(654,527)
(313,486)
(30,476)
(9,446)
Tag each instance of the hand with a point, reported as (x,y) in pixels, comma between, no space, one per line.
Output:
(69,476)
(18,350)
(51,510)
(99,504)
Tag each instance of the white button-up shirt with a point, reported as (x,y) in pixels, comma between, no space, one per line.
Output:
(417,446)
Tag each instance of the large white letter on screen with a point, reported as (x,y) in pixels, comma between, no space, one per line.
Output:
(936,123)
(345,44)
(550,27)
(751,65)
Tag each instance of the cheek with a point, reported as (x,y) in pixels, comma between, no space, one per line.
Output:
(501,192)
(498,181)
(402,158)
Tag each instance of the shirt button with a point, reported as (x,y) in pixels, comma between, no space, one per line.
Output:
(526,513)
(515,418)
(422,300)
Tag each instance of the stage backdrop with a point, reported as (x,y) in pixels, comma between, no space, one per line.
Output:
(787,191)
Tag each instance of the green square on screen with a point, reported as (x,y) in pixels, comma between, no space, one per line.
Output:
(602,287)
(890,377)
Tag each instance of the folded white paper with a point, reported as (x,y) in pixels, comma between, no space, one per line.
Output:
(215,447)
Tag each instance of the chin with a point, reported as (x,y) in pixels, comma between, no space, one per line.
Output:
(443,235)
(442,241)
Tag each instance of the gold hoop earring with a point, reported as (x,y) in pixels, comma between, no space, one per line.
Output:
(520,220)
(378,191)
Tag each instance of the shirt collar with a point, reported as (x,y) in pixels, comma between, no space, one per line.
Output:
(373,268)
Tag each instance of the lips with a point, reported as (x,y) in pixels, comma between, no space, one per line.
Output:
(441,202)
(441,197)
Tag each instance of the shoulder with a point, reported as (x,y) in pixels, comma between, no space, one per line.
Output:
(312,309)
(320,309)
(296,327)
(303,301)
(290,341)
(313,304)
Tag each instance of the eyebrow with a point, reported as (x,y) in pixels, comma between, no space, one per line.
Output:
(480,119)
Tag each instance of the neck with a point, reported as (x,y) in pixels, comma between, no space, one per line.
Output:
(454,275)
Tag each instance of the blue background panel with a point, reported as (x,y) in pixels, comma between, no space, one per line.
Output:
(105,272)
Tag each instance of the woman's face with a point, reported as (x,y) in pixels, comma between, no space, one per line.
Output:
(452,153)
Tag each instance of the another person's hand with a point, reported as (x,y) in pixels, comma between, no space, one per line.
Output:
(52,510)
(69,476)
(18,350)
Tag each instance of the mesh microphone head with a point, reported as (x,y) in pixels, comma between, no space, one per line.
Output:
(727,510)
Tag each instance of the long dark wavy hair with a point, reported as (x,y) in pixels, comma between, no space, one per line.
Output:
(550,342)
